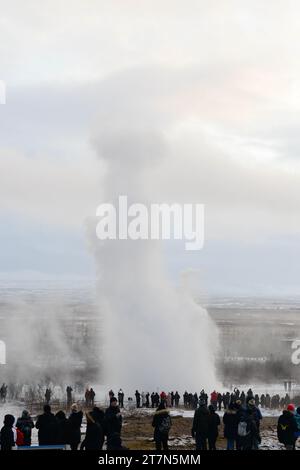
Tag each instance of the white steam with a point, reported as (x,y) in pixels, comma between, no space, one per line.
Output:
(156,336)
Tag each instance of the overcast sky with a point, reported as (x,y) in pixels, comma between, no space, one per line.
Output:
(220,80)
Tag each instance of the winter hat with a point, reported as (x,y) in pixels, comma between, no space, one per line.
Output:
(251,402)
(25,414)
(74,407)
(291,407)
(9,420)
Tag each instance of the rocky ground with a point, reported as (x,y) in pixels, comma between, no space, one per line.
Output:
(138,432)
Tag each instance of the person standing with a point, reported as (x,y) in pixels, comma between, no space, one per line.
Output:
(220,399)
(287,428)
(25,425)
(214,399)
(152,400)
(7,436)
(297,419)
(113,425)
(92,397)
(87,397)
(69,391)
(230,422)
(74,423)
(121,398)
(47,427)
(94,436)
(162,425)
(62,437)
(138,398)
(213,425)
(200,426)
(48,394)
(177,398)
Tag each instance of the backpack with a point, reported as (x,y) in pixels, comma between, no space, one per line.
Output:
(20,438)
(165,425)
(242,429)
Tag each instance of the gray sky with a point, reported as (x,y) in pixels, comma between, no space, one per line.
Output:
(219,79)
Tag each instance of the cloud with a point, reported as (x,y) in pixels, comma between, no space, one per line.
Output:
(217,82)
(53,191)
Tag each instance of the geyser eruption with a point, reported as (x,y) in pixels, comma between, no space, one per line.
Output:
(156,336)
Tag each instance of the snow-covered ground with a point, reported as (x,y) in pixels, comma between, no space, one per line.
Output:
(190,413)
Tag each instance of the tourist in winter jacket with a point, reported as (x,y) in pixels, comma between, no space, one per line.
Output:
(92,397)
(255,411)
(121,398)
(248,431)
(138,398)
(230,421)
(25,425)
(113,426)
(177,398)
(203,396)
(74,423)
(220,399)
(94,436)
(47,426)
(185,399)
(287,427)
(213,424)
(163,396)
(297,419)
(63,435)
(200,426)
(7,435)
(162,425)
(214,399)
(152,400)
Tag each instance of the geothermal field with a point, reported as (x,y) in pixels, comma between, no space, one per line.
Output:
(54,333)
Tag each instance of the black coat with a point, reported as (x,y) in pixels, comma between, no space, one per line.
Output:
(286,428)
(63,431)
(157,421)
(213,423)
(112,427)
(201,422)
(112,421)
(230,420)
(94,436)
(48,428)
(7,438)
(74,424)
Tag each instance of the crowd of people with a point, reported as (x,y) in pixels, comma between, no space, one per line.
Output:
(219,400)
(60,430)
(241,420)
